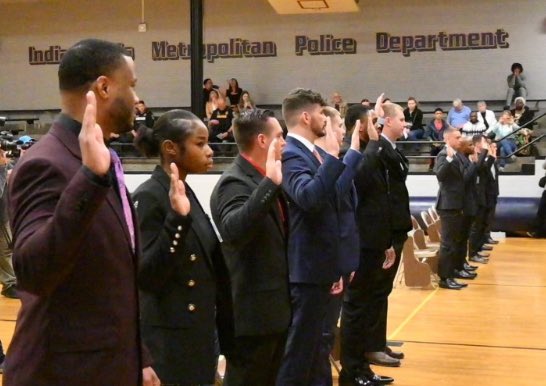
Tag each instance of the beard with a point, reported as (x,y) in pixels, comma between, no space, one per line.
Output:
(318,127)
(123,116)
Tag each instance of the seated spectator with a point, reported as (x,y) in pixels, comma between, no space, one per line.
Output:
(503,128)
(516,84)
(339,104)
(234,92)
(458,115)
(473,127)
(365,102)
(487,117)
(246,103)
(212,103)
(435,132)
(208,86)
(146,116)
(414,116)
(522,114)
(221,122)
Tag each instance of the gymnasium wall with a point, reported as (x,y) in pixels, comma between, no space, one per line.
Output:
(445,49)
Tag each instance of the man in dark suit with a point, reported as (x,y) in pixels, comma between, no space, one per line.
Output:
(473,163)
(250,212)
(383,220)
(492,193)
(311,179)
(76,248)
(477,230)
(450,172)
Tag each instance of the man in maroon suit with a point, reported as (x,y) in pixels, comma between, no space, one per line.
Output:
(76,248)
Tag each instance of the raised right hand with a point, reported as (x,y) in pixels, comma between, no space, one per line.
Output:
(331,144)
(450,151)
(379,105)
(372,131)
(177,193)
(273,166)
(95,154)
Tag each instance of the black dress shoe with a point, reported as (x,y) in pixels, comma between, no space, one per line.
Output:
(462,274)
(491,241)
(450,284)
(359,380)
(394,354)
(486,247)
(469,268)
(381,380)
(478,259)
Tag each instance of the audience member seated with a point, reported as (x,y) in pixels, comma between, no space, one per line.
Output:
(208,86)
(233,93)
(212,103)
(522,114)
(365,102)
(473,127)
(220,124)
(246,103)
(485,116)
(144,115)
(516,84)
(435,132)
(414,116)
(504,127)
(339,104)
(458,115)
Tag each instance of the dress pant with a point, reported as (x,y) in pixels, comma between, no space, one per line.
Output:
(324,376)
(300,365)
(451,239)
(477,231)
(255,360)
(365,308)
(490,218)
(513,92)
(7,276)
(464,245)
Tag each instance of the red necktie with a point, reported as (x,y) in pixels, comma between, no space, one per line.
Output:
(316,154)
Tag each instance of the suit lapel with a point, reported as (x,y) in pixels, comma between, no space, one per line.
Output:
(310,156)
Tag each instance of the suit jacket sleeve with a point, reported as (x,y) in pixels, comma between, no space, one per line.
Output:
(239,208)
(345,181)
(309,191)
(50,219)
(443,168)
(157,234)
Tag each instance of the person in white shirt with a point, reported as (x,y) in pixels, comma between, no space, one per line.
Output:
(485,116)
(473,127)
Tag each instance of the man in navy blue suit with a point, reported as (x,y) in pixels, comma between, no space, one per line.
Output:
(313,178)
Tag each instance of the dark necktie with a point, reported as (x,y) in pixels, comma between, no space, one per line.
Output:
(120,180)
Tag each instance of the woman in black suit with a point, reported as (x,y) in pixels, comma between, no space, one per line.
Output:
(181,277)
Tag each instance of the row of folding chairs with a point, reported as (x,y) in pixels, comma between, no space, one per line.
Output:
(419,265)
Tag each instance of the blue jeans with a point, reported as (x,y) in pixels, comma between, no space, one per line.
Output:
(507,147)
